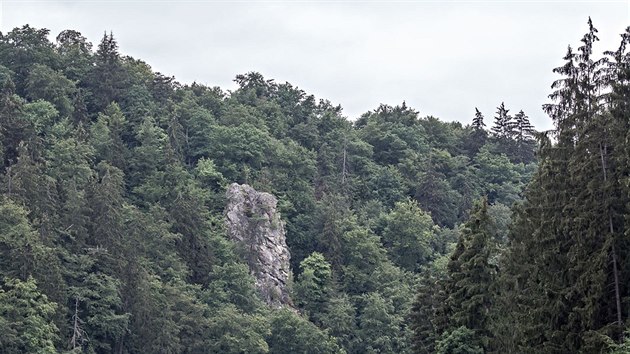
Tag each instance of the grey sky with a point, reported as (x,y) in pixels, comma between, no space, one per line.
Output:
(442,57)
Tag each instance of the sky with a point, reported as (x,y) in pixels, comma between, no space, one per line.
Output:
(443,58)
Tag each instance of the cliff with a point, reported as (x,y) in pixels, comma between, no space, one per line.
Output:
(255,225)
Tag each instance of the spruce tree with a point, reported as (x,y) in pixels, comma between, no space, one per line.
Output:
(478,136)
(26,318)
(106,77)
(504,133)
(477,122)
(502,128)
(471,277)
(524,135)
(568,236)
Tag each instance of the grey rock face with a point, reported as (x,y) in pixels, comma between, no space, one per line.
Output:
(254,224)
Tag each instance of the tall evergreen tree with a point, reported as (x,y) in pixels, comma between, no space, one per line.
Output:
(478,136)
(25,318)
(471,277)
(503,125)
(524,135)
(477,122)
(107,76)
(573,220)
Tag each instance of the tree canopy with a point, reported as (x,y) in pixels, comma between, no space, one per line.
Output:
(407,233)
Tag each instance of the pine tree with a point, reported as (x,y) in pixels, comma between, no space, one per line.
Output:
(427,313)
(314,286)
(524,137)
(471,277)
(505,132)
(26,318)
(12,125)
(477,122)
(502,128)
(572,223)
(478,136)
(107,76)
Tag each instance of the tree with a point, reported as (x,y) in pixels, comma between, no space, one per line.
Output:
(471,277)
(363,255)
(75,53)
(409,235)
(23,47)
(291,333)
(232,284)
(106,136)
(524,136)
(477,136)
(50,85)
(98,319)
(107,76)
(13,127)
(427,315)
(477,122)
(459,341)
(379,327)
(435,194)
(339,319)
(314,286)
(231,331)
(394,132)
(26,318)
(503,125)
(22,254)
(112,183)
(572,223)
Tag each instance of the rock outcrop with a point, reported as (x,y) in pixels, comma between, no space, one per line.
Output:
(254,224)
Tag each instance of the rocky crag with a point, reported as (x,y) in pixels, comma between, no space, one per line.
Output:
(254,224)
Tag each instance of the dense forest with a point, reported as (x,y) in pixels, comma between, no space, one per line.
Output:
(407,234)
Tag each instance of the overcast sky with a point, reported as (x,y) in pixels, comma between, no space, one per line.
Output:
(444,58)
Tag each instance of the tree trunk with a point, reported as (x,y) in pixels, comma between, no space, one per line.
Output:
(602,151)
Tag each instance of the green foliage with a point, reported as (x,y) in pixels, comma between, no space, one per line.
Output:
(22,253)
(380,328)
(564,282)
(106,76)
(232,284)
(26,318)
(470,283)
(409,235)
(46,84)
(290,333)
(619,348)
(106,135)
(427,314)
(459,341)
(99,310)
(339,319)
(75,53)
(231,331)
(22,48)
(113,179)
(314,286)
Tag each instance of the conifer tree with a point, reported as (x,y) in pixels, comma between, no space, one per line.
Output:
(471,277)
(502,128)
(573,220)
(478,136)
(26,318)
(314,286)
(477,122)
(107,75)
(524,137)
(427,313)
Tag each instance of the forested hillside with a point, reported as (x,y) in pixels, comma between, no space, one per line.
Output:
(112,233)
